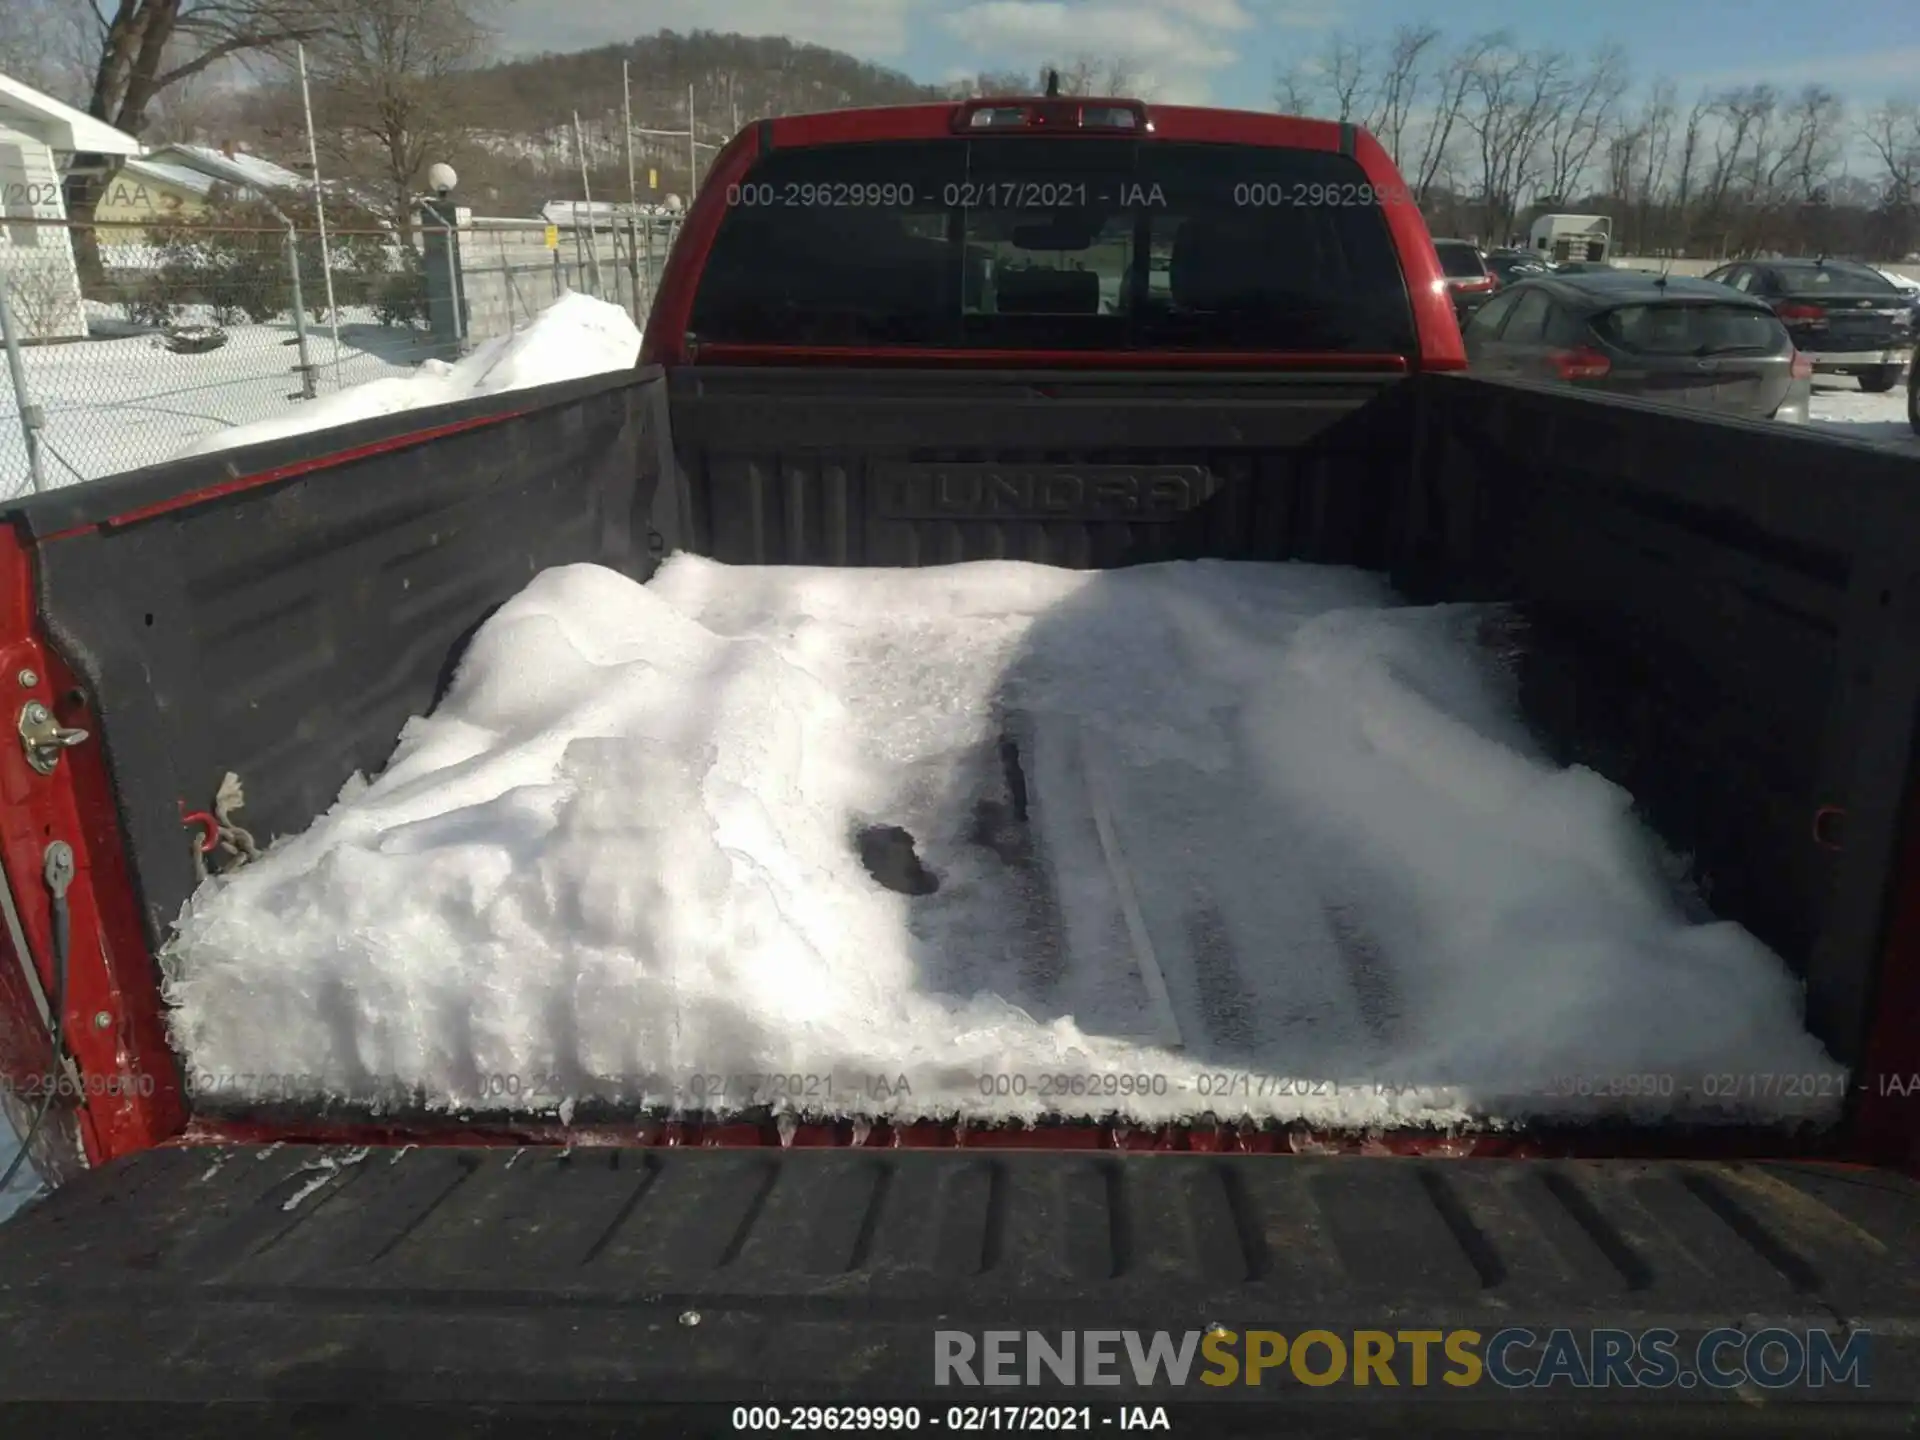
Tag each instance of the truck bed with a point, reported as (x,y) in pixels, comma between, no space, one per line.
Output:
(1735,647)
(489,1275)
(995,841)
(303,608)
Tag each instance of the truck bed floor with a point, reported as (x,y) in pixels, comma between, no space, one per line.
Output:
(1259,840)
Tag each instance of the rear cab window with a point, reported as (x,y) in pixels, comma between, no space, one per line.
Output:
(1055,243)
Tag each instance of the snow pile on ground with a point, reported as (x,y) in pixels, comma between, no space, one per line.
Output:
(1844,409)
(1248,839)
(574,337)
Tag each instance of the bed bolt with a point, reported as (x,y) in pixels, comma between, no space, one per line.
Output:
(28,679)
(102,1020)
(689,1318)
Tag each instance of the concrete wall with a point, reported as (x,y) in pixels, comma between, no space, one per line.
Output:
(511,273)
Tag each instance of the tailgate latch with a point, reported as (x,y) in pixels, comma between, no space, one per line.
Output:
(43,737)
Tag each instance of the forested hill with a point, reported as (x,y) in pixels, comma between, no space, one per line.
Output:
(523,109)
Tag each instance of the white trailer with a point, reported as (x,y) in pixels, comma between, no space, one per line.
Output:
(1565,238)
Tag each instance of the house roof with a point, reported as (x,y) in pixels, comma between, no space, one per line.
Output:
(192,181)
(208,164)
(67,129)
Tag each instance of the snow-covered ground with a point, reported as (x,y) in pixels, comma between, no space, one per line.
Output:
(25,1183)
(1287,851)
(1840,405)
(114,405)
(574,337)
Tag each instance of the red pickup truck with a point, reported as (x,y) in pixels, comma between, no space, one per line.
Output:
(1095,334)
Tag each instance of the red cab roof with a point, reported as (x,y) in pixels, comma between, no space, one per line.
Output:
(1169,122)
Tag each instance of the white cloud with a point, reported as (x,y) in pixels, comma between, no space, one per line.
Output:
(872,29)
(1039,29)
(1176,44)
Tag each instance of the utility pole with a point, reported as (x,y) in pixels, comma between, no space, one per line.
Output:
(319,207)
(693,149)
(633,197)
(593,247)
(626,119)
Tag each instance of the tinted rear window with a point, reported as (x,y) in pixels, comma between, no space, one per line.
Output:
(1835,280)
(1461,262)
(1681,329)
(1056,243)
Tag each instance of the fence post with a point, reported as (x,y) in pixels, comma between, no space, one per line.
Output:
(31,417)
(451,217)
(305,367)
(440,258)
(633,272)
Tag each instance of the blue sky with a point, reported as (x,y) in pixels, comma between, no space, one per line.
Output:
(1227,51)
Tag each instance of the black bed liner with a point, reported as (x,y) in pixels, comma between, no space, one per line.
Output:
(609,1275)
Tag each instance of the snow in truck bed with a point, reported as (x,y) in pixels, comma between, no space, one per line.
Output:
(1249,839)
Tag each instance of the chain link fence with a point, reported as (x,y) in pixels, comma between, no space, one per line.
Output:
(129,342)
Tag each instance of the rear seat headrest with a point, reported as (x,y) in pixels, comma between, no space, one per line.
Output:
(1216,260)
(1041,291)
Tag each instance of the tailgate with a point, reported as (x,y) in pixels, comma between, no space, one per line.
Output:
(624,1275)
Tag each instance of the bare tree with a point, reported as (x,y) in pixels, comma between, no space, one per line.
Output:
(1579,114)
(149,46)
(1093,75)
(1347,78)
(30,49)
(1354,83)
(1333,86)
(1657,118)
(1511,100)
(1893,132)
(1743,116)
(1407,63)
(1001,82)
(145,49)
(1639,158)
(387,89)
(1691,148)
(1456,81)
(1819,139)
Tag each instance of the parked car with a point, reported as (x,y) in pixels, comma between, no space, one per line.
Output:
(1510,265)
(1911,289)
(1668,338)
(1849,318)
(1469,281)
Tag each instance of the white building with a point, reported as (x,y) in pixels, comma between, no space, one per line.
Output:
(39,139)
